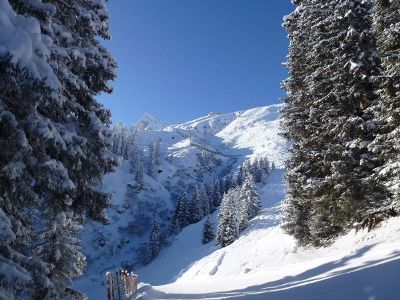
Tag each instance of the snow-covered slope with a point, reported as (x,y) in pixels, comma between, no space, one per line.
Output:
(256,132)
(264,263)
(225,140)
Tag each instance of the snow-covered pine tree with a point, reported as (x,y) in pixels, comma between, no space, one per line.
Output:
(240,175)
(180,217)
(195,208)
(175,226)
(134,155)
(155,239)
(139,176)
(250,198)
(245,167)
(16,282)
(331,61)
(118,133)
(386,28)
(202,197)
(131,145)
(265,168)
(54,135)
(209,188)
(243,211)
(229,182)
(228,218)
(151,171)
(157,153)
(208,231)
(59,245)
(184,217)
(216,193)
(256,171)
(243,214)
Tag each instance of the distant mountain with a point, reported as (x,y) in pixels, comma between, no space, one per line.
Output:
(150,122)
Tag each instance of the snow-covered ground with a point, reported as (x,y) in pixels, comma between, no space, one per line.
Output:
(264,263)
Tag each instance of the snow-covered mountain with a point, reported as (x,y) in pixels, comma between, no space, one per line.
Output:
(264,263)
(191,153)
(149,122)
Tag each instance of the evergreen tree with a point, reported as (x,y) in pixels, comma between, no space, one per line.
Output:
(157,153)
(155,239)
(208,231)
(16,281)
(240,175)
(249,198)
(230,182)
(386,26)
(216,193)
(152,161)
(139,176)
(331,61)
(228,218)
(210,196)
(245,169)
(54,135)
(265,165)
(134,156)
(59,245)
(180,218)
(243,214)
(177,217)
(195,209)
(202,197)
(256,171)
(184,217)
(118,133)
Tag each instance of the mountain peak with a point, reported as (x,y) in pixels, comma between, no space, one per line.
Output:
(150,122)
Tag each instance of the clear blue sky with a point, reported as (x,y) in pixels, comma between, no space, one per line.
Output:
(180,59)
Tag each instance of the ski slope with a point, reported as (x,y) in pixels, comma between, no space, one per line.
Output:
(265,263)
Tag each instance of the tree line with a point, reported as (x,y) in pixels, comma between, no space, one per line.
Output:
(237,197)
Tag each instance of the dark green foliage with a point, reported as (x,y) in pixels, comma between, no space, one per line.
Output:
(208,231)
(332,61)
(386,25)
(155,239)
(181,216)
